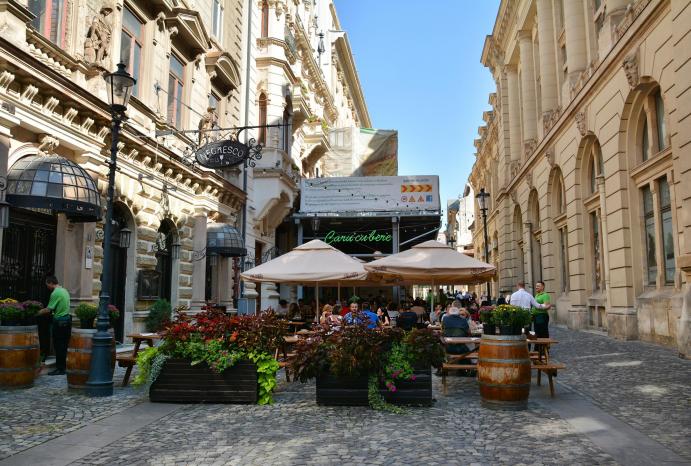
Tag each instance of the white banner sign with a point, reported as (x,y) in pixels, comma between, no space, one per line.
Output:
(370,193)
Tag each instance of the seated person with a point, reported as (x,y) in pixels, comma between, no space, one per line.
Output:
(435,317)
(419,311)
(352,317)
(282,309)
(453,325)
(392,311)
(294,312)
(328,317)
(407,319)
(383,316)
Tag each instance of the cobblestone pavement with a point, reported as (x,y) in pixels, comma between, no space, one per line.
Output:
(29,417)
(644,385)
(296,431)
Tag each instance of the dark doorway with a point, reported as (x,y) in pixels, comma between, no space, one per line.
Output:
(119,269)
(164,258)
(28,255)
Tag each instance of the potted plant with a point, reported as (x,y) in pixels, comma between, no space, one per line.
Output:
(511,319)
(31,309)
(113,315)
(377,367)
(19,342)
(487,318)
(159,316)
(86,313)
(214,358)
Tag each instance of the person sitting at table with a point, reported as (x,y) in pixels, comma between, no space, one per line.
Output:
(294,312)
(392,311)
(419,311)
(454,325)
(354,316)
(282,309)
(435,316)
(383,316)
(328,317)
(407,319)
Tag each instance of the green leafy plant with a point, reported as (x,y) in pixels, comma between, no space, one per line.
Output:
(398,366)
(11,313)
(267,367)
(376,400)
(150,362)
(86,313)
(425,348)
(159,315)
(487,315)
(31,309)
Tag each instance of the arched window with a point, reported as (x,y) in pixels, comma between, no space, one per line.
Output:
(265,19)
(262,119)
(653,134)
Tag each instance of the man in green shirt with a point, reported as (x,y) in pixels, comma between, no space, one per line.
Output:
(59,307)
(540,316)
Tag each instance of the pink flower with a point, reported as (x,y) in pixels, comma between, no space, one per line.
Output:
(412,377)
(393,388)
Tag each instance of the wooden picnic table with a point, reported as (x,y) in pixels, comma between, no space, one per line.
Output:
(541,344)
(129,358)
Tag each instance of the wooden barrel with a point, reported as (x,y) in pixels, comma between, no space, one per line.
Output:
(79,357)
(20,357)
(503,371)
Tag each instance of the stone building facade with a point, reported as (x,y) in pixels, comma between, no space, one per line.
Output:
(586,154)
(187,58)
(306,80)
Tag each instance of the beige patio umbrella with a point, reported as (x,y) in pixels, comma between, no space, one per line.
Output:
(431,263)
(313,263)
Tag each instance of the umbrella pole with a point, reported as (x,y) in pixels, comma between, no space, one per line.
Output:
(316,314)
(339,292)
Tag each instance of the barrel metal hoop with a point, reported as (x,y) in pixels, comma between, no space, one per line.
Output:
(79,350)
(78,371)
(18,369)
(504,385)
(18,347)
(521,362)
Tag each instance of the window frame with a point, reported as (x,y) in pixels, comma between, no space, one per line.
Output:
(263,105)
(45,26)
(176,120)
(217,14)
(651,270)
(137,40)
(265,20)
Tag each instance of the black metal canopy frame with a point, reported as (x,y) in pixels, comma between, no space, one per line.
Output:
(52,182)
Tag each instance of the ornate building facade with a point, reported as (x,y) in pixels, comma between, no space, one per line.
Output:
(305,79)
(55,131)
(588,162)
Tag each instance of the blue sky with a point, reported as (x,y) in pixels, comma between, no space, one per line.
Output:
(419,65)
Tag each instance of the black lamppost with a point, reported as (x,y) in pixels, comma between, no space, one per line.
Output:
(482,198)
(119,86)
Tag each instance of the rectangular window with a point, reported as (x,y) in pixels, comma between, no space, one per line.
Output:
(667,230)
(563,248)
(50,19)
(213,101)
(218,19)
(597,260)
(649,222)
(131,45)
(660,117)
(175,88)
(265,19)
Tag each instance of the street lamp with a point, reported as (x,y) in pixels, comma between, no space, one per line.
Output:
(124,238)
(315,224)
(119,86)
(482,202)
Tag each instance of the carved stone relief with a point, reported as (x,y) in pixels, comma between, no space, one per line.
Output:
(98,37)
(630,66)
(581,123)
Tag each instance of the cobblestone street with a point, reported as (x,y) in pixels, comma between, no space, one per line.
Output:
(646,387)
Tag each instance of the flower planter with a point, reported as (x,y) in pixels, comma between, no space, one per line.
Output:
(180,382)
(352,391)
(19,356)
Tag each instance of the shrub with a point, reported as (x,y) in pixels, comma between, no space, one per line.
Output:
(11,313)
(159,315)
(86,313)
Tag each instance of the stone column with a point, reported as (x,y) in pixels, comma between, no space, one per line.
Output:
(604,234)
(574,25)
(548,53)
(528,244)
(270,296)
(681,146)
(528,104)
(199,260)
(514,114)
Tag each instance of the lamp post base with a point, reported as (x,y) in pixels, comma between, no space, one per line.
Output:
(100,381)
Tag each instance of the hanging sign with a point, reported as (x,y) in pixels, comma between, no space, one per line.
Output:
(334,237)
(221,154)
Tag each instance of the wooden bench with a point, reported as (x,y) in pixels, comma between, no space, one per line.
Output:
(126,358)
(550,369)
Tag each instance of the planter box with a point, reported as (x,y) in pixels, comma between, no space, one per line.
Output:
(352,391)
(180,382)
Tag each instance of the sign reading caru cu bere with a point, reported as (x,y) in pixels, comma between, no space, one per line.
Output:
(221,154)
(333,237)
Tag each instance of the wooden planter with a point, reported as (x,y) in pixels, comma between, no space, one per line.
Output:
(180,382)
(352,391)
(503,372)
